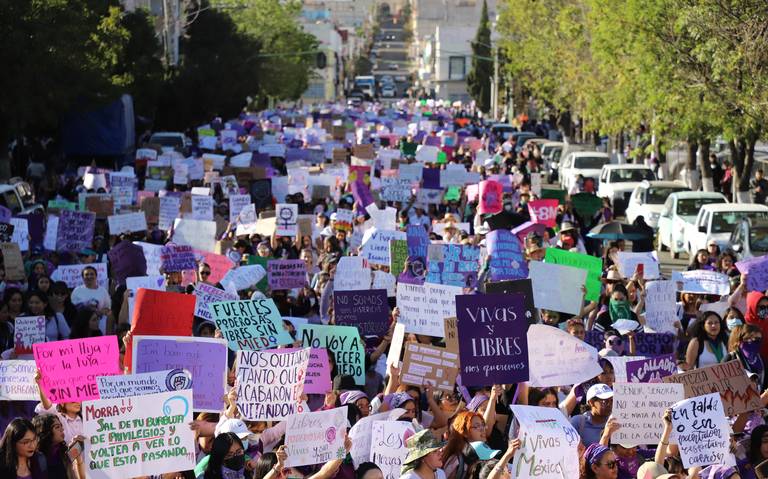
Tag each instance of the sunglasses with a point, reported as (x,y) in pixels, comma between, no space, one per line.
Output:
(610,464)
(205,273)
(616,342)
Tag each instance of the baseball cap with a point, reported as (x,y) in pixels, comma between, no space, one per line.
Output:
(236,426)
(484,452)
(600,391)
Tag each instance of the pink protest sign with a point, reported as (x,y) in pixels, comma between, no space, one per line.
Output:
(318,378)
(543,212)
(491,195)
(219,264)
(69,368)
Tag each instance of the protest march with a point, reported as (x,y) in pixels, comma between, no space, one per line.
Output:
(337,292)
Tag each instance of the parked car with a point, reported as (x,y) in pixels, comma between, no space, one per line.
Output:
(501,131)
(550,151)
(588,164)
(171,139)
(750,239)
(17,196)
(679,211)
(617,182)
(717,222)
(648,198)
(388,91)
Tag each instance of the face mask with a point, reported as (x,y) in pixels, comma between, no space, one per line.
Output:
(507,207)
(762,312)
(235,463)
(619,309)
(568,243)
(254,438)
(733,322)
(750,350)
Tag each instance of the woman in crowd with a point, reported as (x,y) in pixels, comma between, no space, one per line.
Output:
(64,461)
(709,343)
(19,458)
(56,327)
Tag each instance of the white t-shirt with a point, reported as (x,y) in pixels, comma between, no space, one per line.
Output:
(439,474)
(85,295)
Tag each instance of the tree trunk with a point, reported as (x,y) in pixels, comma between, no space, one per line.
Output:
(706,171)
(691,177)
(743,155)
(661,154)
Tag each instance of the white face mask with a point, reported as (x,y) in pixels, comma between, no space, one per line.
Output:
(254,438)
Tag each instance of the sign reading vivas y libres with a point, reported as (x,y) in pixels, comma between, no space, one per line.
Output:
(493,346)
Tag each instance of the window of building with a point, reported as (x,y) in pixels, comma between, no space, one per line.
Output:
(456,68)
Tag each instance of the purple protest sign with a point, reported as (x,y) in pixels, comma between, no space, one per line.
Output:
(646,344)
(177,258)
(36,228)
(431,178)
(453,265)
(432,140)
(366,309)
(651,370)
(507,261)
(75,230)
(756,270)
(528,227)
(5,214)
(361,193)
(287,273)
(205,358)
(494,346)
(127,259)
(318,378)
(417,240)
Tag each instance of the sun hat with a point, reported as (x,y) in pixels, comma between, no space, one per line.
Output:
(600,391)
(650,470)
(421,444)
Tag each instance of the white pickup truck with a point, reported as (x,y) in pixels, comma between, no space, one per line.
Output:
(717,222)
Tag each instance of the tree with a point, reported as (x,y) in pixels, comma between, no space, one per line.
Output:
(220,67)
(479,78)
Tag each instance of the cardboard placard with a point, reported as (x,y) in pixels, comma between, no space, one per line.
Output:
(429,365)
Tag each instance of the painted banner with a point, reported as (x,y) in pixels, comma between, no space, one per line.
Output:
(651,370)
(287,273)
(206,294)
(376,245)
(702,431)
(251,324)
(204,358)
(17,380)
(543,212)
(75,230)
(639,408)
(628,263)
(128,385)
(27,331)
(367,310)
(453,265)
(557,358)
(549,448)
(557,287)
(345,344)
(506,256)
(491,195)
(388,447)
(591,264)
(139,436)
(176,258)
(69,368)
(429,365)
(661,306)
(316,437)
(270,383)
(493,346)
(729,379)
(702,282)
(423,308)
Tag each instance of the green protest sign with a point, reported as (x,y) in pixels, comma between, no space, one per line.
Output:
(343,341)
(62,205)
(408,148)
(263,284)
(548,193)
(592,264)
(453,194)
(398,254)
(586,204)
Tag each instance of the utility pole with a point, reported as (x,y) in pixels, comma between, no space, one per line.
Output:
(495,86)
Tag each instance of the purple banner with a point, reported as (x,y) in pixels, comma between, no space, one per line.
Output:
(36,227)
(177,258)
(287,273)
(432,140)
(361,193)
(418,242)
(646,344)
(756,270)
(205,359)
(506,256)
(75,230)
(651,370)
(494,346)
(367,309)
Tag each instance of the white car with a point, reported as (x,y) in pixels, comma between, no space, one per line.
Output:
(679,211)
(750,239)
(585,163)
(648,200)
(388,91)
(617,182)
(717,222)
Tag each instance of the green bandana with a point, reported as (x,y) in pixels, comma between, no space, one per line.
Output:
(619,310)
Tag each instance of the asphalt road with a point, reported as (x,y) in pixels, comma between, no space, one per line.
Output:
(392,55)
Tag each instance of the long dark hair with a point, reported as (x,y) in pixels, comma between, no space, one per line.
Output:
(755,442)
(81,326)
(699,332)
(47,311)
(265,464)
(14,433)
(219,450)
(44,428)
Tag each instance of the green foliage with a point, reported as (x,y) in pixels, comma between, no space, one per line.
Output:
(479,78)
